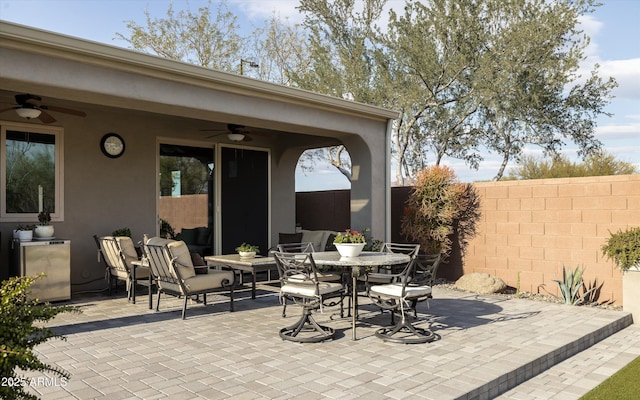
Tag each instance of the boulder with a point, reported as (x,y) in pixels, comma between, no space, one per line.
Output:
(481,283)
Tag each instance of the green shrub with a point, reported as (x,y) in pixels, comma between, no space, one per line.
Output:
(623,247)
(122,232)
(19,336)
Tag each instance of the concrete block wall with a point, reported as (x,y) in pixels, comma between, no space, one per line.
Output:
(530,229)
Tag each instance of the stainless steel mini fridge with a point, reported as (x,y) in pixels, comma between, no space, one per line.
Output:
(53,257)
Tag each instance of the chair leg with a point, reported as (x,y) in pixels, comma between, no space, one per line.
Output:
(204,298)
(184,306)
(407,333)
(158,300)
(307,324)
(231,299)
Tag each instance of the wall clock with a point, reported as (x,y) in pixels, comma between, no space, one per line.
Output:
(112,145)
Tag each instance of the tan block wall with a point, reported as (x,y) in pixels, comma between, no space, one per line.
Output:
(186,211)
(532,228)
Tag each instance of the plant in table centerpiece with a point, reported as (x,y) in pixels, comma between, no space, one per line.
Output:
(350,236)
(350,243)
(247,250)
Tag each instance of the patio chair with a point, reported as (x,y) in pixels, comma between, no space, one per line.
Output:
(401,295)
(387,273)
(323,276)
(302,247)
(170,263)
(299,282)
(118,252)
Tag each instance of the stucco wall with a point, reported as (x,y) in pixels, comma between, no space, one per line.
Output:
(533,228)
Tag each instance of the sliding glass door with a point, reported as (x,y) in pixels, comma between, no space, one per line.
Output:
(186,204)
(244,198)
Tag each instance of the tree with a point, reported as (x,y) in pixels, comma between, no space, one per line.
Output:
(532,95)
(204,38)
(493,75)
(281,50)
(599,164)
(341,45)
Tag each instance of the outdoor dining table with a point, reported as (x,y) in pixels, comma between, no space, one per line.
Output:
(252,265)
(365,261)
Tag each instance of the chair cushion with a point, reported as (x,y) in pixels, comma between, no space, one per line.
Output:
(309,289)
(158,241)
(329,246)
(395,290)
(322,277)
(315,237)
(128,249)
(212,280)
(183,263)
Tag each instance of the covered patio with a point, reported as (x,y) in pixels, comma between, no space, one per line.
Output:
(159,108)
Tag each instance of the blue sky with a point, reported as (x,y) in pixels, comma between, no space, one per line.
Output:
(613,28)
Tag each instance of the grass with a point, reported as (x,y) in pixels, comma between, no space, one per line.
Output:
(624,384)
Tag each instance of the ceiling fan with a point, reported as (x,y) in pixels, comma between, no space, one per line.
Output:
(235,133)
(30,106)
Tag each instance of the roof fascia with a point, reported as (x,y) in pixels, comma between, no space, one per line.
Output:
(28,39)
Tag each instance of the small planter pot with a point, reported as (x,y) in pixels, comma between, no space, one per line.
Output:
(24,236)
(44,231)
(349,249)
(247,254)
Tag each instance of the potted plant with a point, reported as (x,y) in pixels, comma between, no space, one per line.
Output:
(247,250)
(24,233)
(350,243)
(44,230)
(623,248)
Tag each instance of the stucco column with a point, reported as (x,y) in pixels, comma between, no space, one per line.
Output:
(368,184)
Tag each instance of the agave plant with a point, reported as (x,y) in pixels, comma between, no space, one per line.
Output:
(571,285)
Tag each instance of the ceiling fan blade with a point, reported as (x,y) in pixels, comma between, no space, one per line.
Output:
(64,110)
(46,118)
(7,109)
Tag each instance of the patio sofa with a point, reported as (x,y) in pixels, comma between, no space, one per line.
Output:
(322,239)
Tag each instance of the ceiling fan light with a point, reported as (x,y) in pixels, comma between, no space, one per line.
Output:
(28,113)
(236,137)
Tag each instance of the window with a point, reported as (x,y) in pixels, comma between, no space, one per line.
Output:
(31,161)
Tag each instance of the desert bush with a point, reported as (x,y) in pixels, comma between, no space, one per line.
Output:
(438,207)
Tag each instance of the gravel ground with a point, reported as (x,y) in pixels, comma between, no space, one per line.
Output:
(511,293)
